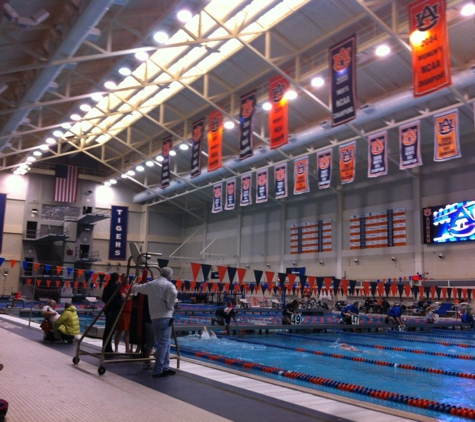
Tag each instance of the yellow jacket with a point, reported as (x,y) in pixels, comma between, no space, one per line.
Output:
(68,322)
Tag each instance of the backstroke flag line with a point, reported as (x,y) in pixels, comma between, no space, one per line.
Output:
(66,183)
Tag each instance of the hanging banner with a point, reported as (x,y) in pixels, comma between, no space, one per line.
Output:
(324,168)
(3,204)
(215,140)
(198,130)
(446,136)
(378,154)
(410,146)
(217,198)
(301,176)
(280,181)
(246,119)
(278,115)
(118,232)
(246,183)
(262,186)
(342,65)
(230,194)
(166,148)
(430,46)
(347,162)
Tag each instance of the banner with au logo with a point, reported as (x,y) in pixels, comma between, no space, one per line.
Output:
(278,115)
(301,176)
(410,146)
(198,130)
(230,194)
(166,148)
(217,198)
(378,154)
(324,168)
(246,181)
(248,105)
(262,186)
(347,162)
(446,135)
(280,181)
(430,46)
(342,65)
(215,140)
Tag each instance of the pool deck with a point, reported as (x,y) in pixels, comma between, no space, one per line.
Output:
(36,376)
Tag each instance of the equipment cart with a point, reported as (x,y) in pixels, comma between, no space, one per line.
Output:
(137,262)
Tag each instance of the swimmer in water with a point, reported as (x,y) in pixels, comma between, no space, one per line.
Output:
(208,334)
(344,346)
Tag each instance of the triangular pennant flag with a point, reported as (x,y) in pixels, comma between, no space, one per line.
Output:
(319,284)
(352,286)
(24,264)
(270,276)
(344,286)
(432,291)
(58,283)
(439,291)
(47,268)
(38,282)
(36,265)
(186,284)
(303,281)
(76,284)
(407,290)
(195,269)
(231,274)
(464,294)
(281,278)
(48,283)
(13,262)
(469,294)
(421,291)
(69,271)
(373,285)
(241,274)
(2,260)
(193,285)
(400,288)
(381,289)
(59,270)
(205,269)
(291,278)
(449,293)
(162,262)
(251,288)
(179,284)
(28,281)
(336,285)
(394,288)
(67,284)
(222,272)
(258,276)
(80,273)
(101,277)
(387,288)
(94,277)
(366,286)
(444,293)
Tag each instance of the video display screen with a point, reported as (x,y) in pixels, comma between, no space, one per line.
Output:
(453,222)
(295,270)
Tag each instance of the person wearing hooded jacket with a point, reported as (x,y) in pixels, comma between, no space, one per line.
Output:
(67,325)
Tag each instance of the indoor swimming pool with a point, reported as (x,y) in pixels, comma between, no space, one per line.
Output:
(430,374)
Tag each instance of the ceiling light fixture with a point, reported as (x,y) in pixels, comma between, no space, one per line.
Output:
(228,124)
(468,10)
(113,181)
(75,117)
(107,183)
(110,85)
(291,94)
(50,141)
(66,126)
(317,82)
(141,55)
(267,106)
(160,158)
(131,173)
(58,133)
(172,153)
(97,97)
(44,147)
(161,37)
(184,146)
(125,71)
(382,50)
(37,153)
(31,159)
(140,168)
(184,15)
(85,107)
(149,163)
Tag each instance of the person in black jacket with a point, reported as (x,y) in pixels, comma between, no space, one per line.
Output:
(113,303)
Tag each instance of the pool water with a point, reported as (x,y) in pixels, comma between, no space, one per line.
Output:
(439,366)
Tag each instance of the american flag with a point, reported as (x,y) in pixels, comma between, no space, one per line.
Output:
(65,183)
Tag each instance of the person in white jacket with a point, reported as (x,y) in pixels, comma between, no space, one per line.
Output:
(161,301)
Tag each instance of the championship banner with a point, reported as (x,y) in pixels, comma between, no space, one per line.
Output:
(410,146)
(446,136)
(215,140)
(230,195)
(378,154)
(324,168)
(217,198)
(347,162)
(430,46)
(246,184)
(246,118)
(3,204)
(278,115)
(118,232)
(301,176)
(280,181)
(198,130)
(262,186)
(166,148)
(342,65)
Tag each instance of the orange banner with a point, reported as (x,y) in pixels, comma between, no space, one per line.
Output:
(347,162)
(430,46)
(446,136)
(215,140)
(301,184)
(278,115)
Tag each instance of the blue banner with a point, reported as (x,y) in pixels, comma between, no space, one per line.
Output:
(3,203)
(342,65)
(118,232)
